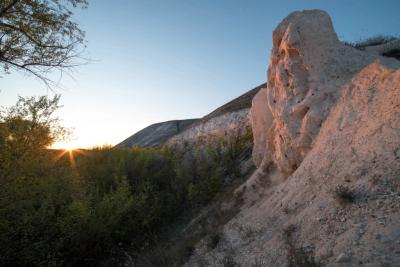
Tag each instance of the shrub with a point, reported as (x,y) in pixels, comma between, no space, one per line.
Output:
(89,211)
(214,239)
(228,260)
(247,231)
(299,258)
(377,40)
(343,194)
(296,257)
(259,262)
(286,209)
(394,53)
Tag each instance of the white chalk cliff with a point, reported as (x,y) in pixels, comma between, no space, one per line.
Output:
(329,117)
(309,67)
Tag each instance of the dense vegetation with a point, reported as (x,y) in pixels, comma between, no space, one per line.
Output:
(88,208)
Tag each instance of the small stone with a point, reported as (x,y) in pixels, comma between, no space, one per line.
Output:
(343,219)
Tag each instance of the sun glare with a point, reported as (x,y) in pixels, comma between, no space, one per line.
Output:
(69,148)
(70,152)
(64,145)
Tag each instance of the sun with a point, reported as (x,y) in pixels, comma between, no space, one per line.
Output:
(70,151)
(69,148)
(66,146)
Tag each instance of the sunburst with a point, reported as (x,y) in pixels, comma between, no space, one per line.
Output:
(70,152)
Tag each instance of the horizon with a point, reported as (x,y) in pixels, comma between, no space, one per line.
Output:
(155,62)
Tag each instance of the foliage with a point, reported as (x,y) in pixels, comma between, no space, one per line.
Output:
(25,130)
(64,209)
(34,197)
(297,256)
(393,51)
(38,36)
(371,41)
(228,260)
(214,239)
(214,165)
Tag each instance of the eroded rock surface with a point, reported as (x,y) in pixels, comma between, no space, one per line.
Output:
(329,119)
(226,121)
(308,66)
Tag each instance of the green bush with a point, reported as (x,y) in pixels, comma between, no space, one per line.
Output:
(107,201)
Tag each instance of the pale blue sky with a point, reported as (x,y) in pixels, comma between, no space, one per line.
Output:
(168,59)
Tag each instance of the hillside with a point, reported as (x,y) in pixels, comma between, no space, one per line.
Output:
(177,131)
(156,134)
(326,191)
(327,146)
(239,103)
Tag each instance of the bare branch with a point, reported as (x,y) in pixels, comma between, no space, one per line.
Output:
(38,37)
(6,8)
(30,37)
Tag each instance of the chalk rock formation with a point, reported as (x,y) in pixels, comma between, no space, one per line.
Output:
(223,125)
(330,121)
(229,119)
(308,66)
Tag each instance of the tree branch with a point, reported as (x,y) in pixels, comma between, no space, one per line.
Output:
(10,5)
(30,37)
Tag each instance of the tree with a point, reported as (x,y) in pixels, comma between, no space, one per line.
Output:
(39,36)
(26,130)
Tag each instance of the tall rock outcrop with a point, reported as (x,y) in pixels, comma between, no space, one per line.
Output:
(308,67)
(327,144)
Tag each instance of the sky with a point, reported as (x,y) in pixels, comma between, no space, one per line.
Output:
(154,61)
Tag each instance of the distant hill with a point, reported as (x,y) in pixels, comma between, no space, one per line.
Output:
(157,134)
(241,102)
